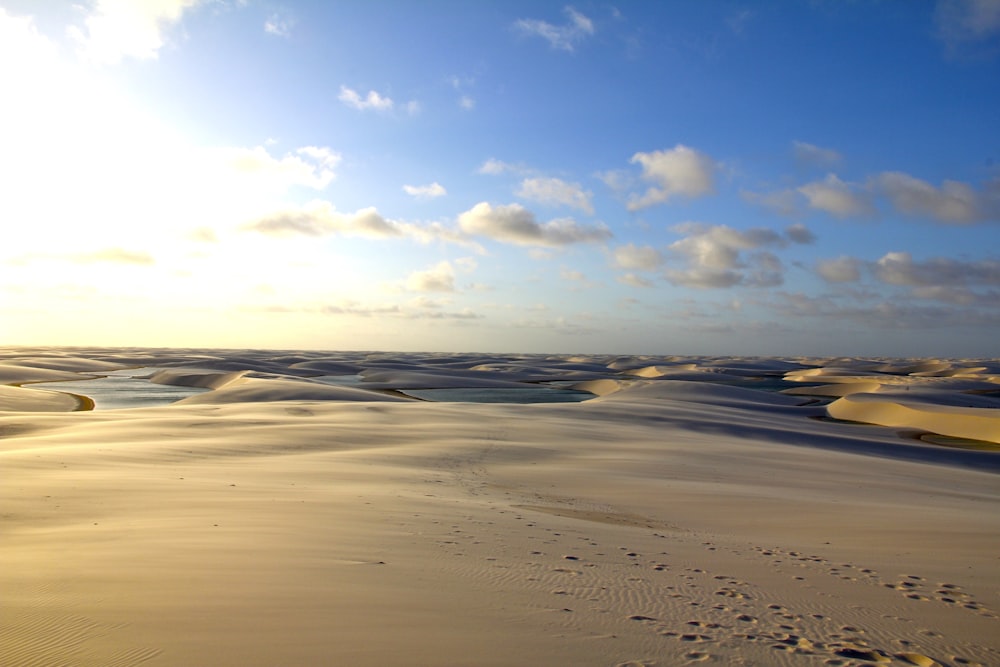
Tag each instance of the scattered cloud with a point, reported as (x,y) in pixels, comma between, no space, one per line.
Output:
(279,25)
(967,22)
(716,257)
(953,202)
(431,191)
(892,315)
(814,156)
(467,103)
(643,258)
(373,101)
(837,197)
(438,278)
(679,171)
(320,218)
(515,224)
(310,166)
(840,270)
(899,268)
(618,180)
(799,233)
(563,37)
(783,202)
(494,167)
(633,280)
(556,192)
(117,29)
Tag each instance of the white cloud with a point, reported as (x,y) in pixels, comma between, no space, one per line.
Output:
(431,191)
(564,37)
(810,154)
(840,270)
(554,191)
(899,268)
(515,224)
(372,101)
(713,257)
(466,102)
(799,233)
(633,280)
(837,197)
(312,166)
(643,258)
(494,167)
(279,25)
(953,202)
(438,278)
(118,29)
(679,171)
(320,218)
(618,180)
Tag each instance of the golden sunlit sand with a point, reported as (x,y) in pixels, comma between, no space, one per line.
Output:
(695,510)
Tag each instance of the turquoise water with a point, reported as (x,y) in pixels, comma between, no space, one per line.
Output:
(121,389)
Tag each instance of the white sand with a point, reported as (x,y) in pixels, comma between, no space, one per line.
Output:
(667,522)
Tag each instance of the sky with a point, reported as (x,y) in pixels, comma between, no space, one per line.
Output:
(774,178)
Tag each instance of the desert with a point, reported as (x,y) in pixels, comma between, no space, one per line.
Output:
(303,508)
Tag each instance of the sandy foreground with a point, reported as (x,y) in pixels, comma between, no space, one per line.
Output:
(724,511)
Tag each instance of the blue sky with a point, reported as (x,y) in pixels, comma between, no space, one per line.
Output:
(746,178)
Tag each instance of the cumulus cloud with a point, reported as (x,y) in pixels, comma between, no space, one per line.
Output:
(719,256)
(564,37)
(800,234)
(370,102)
(117,29)
(899,268)
(310,166)
(953,202)
(633,280)
(320,218)
(556,192)
(431,191)
(839,270)
(679,171)
(895,315)
(643,258)
(515,224)
(809,154)
(837,197)
(438,278)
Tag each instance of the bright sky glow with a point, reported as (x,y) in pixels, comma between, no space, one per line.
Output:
(670,178)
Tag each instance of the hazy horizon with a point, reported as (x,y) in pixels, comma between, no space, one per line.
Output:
(723,179)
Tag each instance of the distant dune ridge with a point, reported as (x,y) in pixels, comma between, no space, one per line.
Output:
(300,508)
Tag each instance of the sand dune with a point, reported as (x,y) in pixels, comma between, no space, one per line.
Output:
(279,520)
(973,423)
